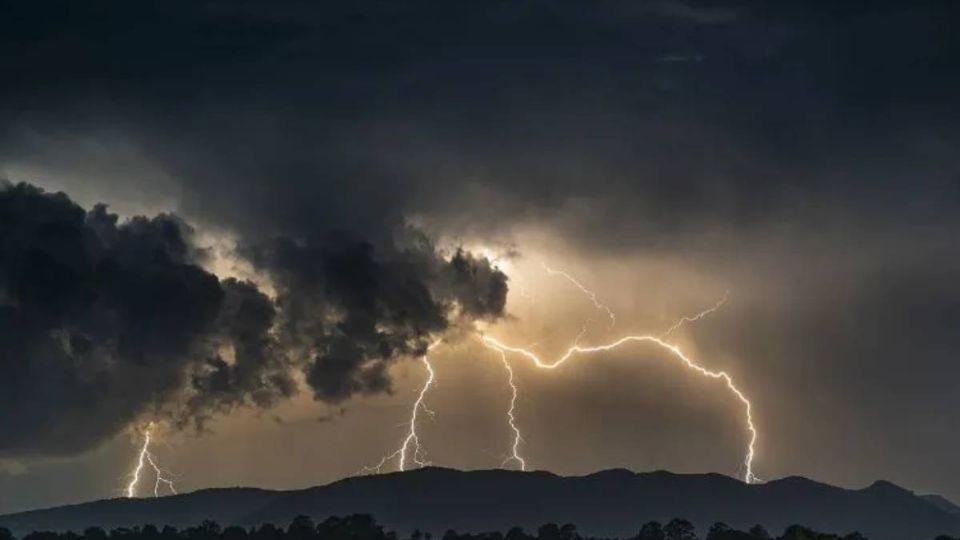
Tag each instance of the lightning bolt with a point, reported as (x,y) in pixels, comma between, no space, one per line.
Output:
(144,458)
(412,438)
(590,294)
(694,318)
(675,351)
(511,417)
(511,412)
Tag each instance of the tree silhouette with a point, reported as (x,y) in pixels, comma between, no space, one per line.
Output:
(798,532)
(722,531)
(169,533)
(94,533)
(234,533)
(516,533)
(267,531)
(679,529)
(549,531)
(42,535)
(719,531)
(365,527)
(651,530)
(302,528)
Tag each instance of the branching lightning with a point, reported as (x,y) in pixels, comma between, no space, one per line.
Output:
(145,457)
(590,294)
(412,438)
(511,417)
(411,451)
(675,352)
(694,318)
(502,349)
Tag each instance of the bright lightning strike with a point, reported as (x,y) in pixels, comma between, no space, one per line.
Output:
(675,351)
(511,412)
(511,418)
(413,438)
(145,457)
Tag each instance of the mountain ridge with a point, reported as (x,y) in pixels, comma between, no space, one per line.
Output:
(612,502)
(942,503)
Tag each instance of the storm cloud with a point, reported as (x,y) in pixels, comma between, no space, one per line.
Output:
(104,321)
(99,321)
(358,309)
(803,156)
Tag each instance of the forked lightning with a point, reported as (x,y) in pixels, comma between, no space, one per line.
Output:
(145,457)
(748,475)
(503,350)
(412,439)
(511,412)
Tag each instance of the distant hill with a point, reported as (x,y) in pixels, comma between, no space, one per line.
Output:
(942,503)
(608,503)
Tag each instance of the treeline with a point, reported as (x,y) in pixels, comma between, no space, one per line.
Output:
(365,527)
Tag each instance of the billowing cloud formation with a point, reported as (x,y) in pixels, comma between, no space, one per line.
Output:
(102,321)
(803,154)
(97,321)
(259,371)
(358,309)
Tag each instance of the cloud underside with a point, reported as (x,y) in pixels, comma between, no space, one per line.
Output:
(803,156)
(104,321)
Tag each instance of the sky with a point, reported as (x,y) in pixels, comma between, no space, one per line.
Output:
(246,221)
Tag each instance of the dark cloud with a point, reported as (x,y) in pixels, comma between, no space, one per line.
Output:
(103,321)
(360,308)
(804,152)
(351,116)
(259,371)
(99,318)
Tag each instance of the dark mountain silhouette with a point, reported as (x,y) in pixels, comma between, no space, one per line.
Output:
(609,503)
(942,503)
